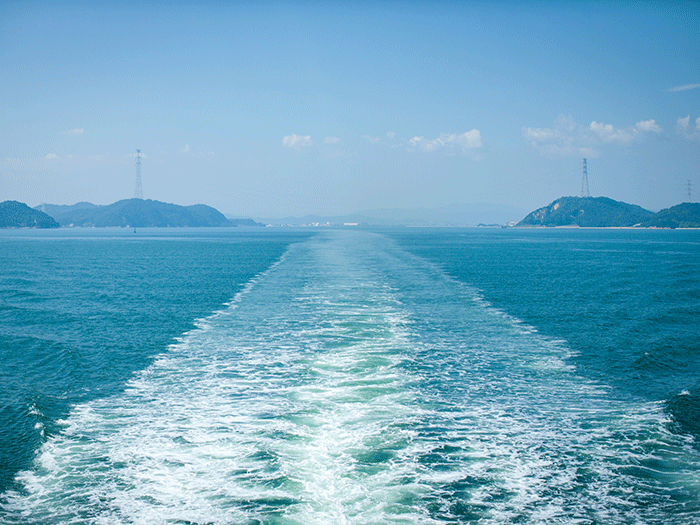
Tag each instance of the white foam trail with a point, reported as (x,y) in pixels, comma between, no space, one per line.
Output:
(354,384)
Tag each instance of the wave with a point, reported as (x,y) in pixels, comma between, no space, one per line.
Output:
(354,383)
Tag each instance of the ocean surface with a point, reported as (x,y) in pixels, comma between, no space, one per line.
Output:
(406,376)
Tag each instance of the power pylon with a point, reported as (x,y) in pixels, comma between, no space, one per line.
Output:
(584,180)
(138,191)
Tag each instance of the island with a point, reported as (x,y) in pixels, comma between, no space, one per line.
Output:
(592,212)
(140,213)
(603,212)
(685,215)
(15,214)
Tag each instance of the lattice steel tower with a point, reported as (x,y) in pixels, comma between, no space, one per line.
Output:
(138,191)
(584,180)
(690,195)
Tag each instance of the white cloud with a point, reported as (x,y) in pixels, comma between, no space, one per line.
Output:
(464,142)
(684,87)
(51,156)
(648,125)
(467,140)
(331,140)
(608,133)
(539,133)
(426,145)
(370,138)
(560,140)
(185,149)
(390,134)
(567,137)
(297,141)
(684,127)
(74,131)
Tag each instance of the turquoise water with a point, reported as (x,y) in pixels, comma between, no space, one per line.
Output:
(342,376)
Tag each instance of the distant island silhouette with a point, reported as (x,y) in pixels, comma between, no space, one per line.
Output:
(591,212)
(140,213)
(603,212)
(15,214)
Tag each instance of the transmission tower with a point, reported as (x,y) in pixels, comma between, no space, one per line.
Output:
(138,192)
(690,198)
(584,180)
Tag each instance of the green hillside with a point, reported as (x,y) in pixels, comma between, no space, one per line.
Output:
(15,214)
(137,213)
(686,215)
(591,212)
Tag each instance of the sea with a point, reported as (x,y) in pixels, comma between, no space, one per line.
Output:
(349,376)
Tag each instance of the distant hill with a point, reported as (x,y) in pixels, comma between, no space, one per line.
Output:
(244,222)
(15,214)
(139,213)
(686,215)
(592,212)
(55,210)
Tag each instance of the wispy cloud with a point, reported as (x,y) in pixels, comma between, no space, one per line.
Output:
(567,137)
(609,133)
(331,140)
(684,87)
(185,149)
(468,143)
(51,156)
(684,127)
(297,141)
(539,134)
(649,125)
(463,142)
(74,131)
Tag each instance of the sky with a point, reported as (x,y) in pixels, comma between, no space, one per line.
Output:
(270,109)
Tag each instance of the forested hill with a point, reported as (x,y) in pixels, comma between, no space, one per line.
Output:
(686,215)
(139,213)
(15,214)
(594,212)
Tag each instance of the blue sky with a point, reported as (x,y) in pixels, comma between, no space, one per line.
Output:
(273,109)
